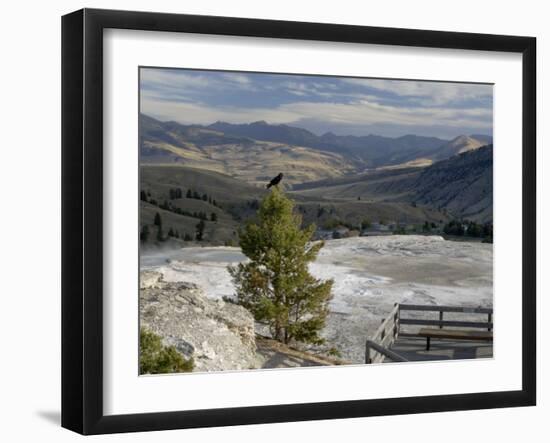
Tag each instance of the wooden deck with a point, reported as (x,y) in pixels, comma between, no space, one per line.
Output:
(414,349)
(402,335)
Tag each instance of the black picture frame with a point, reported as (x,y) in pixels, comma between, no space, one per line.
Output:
(82,218)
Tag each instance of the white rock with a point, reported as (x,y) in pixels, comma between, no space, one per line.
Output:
(219,336)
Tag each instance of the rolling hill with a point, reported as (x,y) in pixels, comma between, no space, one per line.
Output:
(461,185)
(234,202)
(252,161)
(225,168)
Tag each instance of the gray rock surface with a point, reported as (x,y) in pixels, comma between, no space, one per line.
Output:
(218,335)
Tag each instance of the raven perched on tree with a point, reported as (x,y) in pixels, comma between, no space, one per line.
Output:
(275,181)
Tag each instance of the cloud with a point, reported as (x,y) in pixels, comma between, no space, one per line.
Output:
(428,92)
(317,103)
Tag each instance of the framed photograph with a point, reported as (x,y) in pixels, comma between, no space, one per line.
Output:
(269,221)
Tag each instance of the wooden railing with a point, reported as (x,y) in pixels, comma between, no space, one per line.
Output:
(377,348)
(488,325)
(381,352)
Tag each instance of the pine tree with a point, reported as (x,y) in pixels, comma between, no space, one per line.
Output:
(189,194)
(187,237)
(160,235)
(143,196)
(213,217)
(144,234)
(158,220)
(200,230)
(171,233)
(275,285)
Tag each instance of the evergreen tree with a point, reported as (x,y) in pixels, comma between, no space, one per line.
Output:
(320,211)
(205,197)
(189,194)
(143,196)
(214,217)
(200,230)
(144,234)
(158,220)
(426,227)
(196,195)
(275,285)
(187,237)
(171,233)
(160,235)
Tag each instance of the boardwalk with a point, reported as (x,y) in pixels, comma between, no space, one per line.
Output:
(455,332)
(414,349)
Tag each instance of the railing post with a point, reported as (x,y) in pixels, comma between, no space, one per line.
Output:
(398,318)
(395,322)
(441,319)
(490,315)
(367,352)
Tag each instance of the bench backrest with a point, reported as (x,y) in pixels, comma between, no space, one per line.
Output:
(441,322)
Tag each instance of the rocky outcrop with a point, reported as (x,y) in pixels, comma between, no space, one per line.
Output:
(218,335)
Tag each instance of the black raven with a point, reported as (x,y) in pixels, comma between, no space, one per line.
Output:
(275,181)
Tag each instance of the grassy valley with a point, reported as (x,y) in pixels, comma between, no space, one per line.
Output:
(205,182)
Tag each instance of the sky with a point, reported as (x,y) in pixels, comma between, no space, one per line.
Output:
(341,105)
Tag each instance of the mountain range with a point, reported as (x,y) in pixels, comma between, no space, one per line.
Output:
(360,151)
(348,178)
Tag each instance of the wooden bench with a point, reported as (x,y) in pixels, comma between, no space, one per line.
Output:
(430,333)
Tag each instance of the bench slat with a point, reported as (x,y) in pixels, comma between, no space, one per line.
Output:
(436,308)
(458,324)
(458,335)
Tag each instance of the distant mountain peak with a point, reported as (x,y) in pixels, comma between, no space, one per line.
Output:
(460,139)
(458,145)
(368,150)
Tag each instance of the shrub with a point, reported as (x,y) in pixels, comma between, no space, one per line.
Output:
(155,358)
